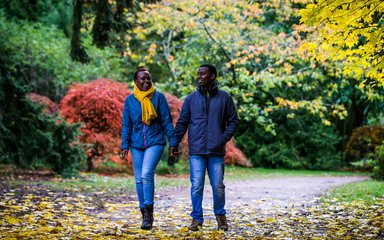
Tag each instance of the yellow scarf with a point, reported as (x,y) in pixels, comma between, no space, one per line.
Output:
(147,109)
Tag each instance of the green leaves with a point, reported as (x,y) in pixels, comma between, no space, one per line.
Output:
(42,53)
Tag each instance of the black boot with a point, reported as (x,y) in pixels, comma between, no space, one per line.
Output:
(142,215)
(142,212)
(147,217)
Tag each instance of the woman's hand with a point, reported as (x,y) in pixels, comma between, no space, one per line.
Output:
(174,151)
(124,154)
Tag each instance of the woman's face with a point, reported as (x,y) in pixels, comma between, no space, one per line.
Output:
(143,81)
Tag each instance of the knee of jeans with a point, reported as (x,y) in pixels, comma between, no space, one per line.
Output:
(147,176)
(218,185)
(138,180)
(197,191)
(195,181)
(197,187)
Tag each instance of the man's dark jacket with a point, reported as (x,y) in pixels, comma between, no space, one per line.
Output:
(212,120)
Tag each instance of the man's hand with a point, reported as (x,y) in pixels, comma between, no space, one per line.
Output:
(124,154)
(173,155)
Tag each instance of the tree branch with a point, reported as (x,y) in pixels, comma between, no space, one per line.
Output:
(232,68)
(167,51)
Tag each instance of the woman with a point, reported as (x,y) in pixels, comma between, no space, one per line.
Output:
(146,118)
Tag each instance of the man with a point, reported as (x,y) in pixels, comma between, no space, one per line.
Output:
(211,116)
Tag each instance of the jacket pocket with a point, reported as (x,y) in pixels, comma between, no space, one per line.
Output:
(218,144)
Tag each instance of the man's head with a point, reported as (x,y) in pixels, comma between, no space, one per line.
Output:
(143,79)
(206,75)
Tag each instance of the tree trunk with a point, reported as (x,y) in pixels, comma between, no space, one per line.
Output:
(78,52)
(103,24)
(354,119)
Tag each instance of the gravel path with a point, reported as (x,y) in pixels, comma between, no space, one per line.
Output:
(265,194)
(283,191)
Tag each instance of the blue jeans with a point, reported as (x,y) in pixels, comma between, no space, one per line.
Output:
(215,167)
(144,164)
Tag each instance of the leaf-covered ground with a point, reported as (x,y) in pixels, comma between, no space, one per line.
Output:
(37,211)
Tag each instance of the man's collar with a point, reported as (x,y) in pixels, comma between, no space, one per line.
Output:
(212,90)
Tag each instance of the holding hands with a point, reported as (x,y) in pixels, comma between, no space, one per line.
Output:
(172,158)
(173,155)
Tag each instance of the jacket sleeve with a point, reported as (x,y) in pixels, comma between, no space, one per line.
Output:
(126,129)
(184,120)
(166,121)
(231,119)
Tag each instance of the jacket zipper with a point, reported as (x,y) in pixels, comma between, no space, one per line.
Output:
(206,125)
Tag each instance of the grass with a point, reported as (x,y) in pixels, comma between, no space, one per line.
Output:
(89,182)
(368,191)
(93,182)
(233,172)
(236,172)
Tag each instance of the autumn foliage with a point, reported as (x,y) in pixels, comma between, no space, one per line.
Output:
(48,106)
(234,156)
(99,105)
(363,142)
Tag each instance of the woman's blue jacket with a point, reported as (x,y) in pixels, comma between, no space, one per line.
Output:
(135,133)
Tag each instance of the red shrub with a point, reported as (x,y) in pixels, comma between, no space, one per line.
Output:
(235,156)
(49,106)
(99,105)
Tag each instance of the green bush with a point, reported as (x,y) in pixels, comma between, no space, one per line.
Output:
(30,138)
(41,55)
(49,12)
(68,155)
(378,169)
(302,142)
(279,155)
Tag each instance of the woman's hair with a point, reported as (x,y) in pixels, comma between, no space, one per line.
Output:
(140,69)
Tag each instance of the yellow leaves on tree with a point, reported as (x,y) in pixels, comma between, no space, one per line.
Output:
(315,106)
(348,31)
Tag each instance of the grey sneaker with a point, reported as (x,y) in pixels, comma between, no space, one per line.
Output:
(222,222)
(194,225)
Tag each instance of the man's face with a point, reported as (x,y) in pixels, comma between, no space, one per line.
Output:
(204,77)
(143,81)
